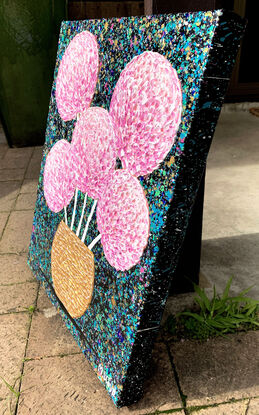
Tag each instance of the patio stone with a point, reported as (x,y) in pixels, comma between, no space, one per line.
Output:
(29,186)
(237,256)
(3,220)
(176,304)
(3,149)
(44,302)
(37,153)
(13,335)
(11,174)
(25,201)
(235,142)
(17,297)
(16,236)
(71,386)
(233,408)
(8,194)
(253,407)
(49,336)
(7,405)
(14,269)
(33,169)
(218,370)
(15,158)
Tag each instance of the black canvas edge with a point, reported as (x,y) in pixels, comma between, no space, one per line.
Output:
(212,92)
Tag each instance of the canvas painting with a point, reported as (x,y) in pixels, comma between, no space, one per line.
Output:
(132,111)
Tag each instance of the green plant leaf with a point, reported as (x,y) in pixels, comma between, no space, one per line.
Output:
(246,290)
(194,315)
(17,394)
(203,296)
(217,324)
(240,299)
(226,291)
(250,310)
(200,304)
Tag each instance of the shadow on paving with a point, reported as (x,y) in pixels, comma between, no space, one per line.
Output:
(218,370)
(235,256)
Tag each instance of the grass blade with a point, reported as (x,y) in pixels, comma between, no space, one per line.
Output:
(226,291)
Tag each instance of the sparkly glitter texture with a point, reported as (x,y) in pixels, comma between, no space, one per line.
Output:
(117,331)
(93,144)
(59,176)
(77,76)
(146,110)
(123,220)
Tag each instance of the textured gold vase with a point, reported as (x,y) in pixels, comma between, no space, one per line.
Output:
(72,268)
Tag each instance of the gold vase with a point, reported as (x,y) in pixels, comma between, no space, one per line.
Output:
(72,268)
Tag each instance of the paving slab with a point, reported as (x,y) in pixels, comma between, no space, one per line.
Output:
(14,269)
(33,169)
(16,158)
(236,256)
(43,302)
(13,335)
(3,220)
(16,236)
(233,408)
(68,385)
(29,186)
(176,304)
(218,370)
(17,297)
(231,215)
(8,194)
(215,226)
(37,153)
(253,407)
(235,142)
(25,201)
(49,335)
(7,405)
(3,149)
(11,174)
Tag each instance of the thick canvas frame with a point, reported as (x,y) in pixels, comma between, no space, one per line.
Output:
(191,165)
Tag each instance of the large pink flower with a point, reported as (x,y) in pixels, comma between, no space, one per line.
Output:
(58,180)
(140,129)
(77,76)
(123,220)
(93,144)
(146,110)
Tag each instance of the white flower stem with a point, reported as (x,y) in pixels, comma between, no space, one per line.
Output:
(88,221)
(82,215)
(65,212)
(94,241)
(74,211)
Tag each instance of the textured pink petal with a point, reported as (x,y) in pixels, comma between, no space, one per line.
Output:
(123,220)
(58,176)
(93,144)
(77,76)
(146,110)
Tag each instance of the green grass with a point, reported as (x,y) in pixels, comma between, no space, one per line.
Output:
(31,309)
(10,387)
(217,316)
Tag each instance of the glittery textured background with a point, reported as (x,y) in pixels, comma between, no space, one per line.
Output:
(117,330)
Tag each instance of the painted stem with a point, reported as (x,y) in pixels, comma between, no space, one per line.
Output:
(74,211)
(94,241)
(82,215)
(88,221)
(65,211)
